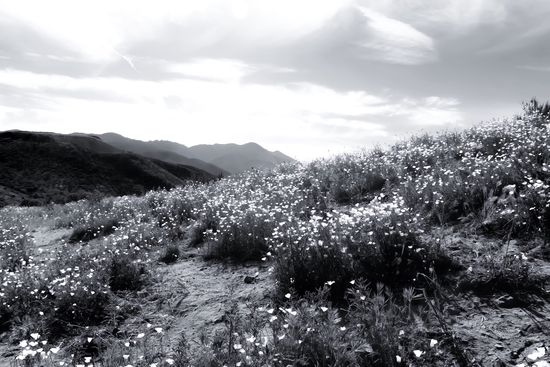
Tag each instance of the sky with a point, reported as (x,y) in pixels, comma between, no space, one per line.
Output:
(309,78)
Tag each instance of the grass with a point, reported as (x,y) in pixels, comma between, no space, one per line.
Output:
(360,272)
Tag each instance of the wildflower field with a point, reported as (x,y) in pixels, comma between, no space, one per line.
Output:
(432,252)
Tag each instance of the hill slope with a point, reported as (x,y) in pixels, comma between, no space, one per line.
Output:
(165,151)
(37,168)
(433,252)
(238,158)
(217,158)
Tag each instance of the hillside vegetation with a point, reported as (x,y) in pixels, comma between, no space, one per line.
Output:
(40,168)
(407,256)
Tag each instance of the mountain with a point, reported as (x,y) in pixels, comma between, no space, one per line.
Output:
(38,168)
(163,150)
(217,158)
(238,158)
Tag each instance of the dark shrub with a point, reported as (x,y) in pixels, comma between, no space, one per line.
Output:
(170,255)
(125,275)
(100,229)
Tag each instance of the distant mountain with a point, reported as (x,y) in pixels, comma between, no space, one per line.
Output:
(164,150)
(238,158)
(38,168)
(237,162)
(216,158)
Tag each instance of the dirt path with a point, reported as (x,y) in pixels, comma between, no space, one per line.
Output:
(195,294)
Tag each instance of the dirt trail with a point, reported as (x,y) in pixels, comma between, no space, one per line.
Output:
(195,294)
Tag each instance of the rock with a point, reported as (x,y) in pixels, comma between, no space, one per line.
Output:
(507,302)
(249,280)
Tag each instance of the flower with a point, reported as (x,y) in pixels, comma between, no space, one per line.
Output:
(140,335)
(539,352)
(418,353)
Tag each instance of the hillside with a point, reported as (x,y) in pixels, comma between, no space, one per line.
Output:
(433,252)
(238,158)
(168,152)
(217,159)
(37,168)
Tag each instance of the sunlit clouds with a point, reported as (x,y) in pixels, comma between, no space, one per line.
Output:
(303,77)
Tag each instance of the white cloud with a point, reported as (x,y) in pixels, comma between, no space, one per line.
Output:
(194,111)
(443,16)
(431,111)
(394,41)
(224,70)
(95,29)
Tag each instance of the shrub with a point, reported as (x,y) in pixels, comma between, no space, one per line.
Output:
(170,254)
(98,229)
(125,274)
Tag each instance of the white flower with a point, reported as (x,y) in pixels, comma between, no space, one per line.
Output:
(35,336)
(140,335)
(169,361)
(432,343)
(537,354)
(158,330)
(398,359)
(418,353)
(287,295)
(324,309)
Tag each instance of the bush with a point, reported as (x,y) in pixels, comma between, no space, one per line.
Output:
(170,255)
(99,229)
(125,274)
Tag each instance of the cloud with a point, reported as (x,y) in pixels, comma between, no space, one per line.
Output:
(394,41)
(225,70)
(442,17)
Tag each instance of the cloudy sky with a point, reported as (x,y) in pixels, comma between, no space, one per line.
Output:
(306,77)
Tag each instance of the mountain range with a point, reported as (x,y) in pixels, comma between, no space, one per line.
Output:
(215,159)
(37,168)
